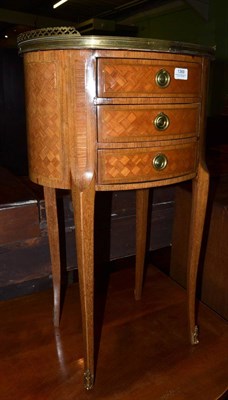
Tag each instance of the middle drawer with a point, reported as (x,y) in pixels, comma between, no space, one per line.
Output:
(126,123)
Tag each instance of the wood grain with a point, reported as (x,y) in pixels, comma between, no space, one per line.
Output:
(143,350)
(142,199)
(199,203)
(53,236)
(83,202)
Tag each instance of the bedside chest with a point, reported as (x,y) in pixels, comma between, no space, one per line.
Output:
(107,113)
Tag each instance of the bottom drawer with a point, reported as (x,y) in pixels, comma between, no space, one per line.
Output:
(145,164)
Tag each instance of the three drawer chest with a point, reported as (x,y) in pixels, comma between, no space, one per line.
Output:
(104,114)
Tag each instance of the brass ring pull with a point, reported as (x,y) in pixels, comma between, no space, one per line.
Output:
(160,162)
(161,122)
(162,78)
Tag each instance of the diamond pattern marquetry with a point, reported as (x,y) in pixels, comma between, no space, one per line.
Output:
(137,165)
(126,122)
(43,121)
(122,78)
(119,78)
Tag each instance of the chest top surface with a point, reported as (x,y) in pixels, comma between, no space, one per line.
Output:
(69,38)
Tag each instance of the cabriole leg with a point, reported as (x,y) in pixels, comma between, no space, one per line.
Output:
(53,236)
(200,186)
(142,196)
(83,203)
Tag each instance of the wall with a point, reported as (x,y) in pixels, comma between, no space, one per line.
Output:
(185,24)
(13,149)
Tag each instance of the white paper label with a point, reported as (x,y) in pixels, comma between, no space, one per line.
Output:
(181,73)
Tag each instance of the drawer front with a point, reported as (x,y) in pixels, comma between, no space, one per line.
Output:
(146,164)
(132,78)
(146,123)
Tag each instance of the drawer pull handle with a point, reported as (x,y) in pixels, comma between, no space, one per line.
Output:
(160,162)
(162,78)
(161,122)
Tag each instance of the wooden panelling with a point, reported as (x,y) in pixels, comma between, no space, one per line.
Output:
(19,223)
(19,214)
(24,248)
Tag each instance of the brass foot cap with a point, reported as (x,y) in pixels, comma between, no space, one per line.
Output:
(194,338)
(88,380)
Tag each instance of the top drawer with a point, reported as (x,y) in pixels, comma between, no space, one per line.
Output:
(147,78)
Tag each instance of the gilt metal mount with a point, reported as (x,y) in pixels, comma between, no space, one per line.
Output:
(88,380)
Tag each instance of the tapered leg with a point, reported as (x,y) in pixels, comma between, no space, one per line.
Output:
(53,236)
(142,196)
(83,203)
(199,204)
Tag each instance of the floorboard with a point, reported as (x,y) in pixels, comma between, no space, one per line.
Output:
(142,347)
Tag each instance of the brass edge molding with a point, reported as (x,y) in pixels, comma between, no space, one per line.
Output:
(48,39)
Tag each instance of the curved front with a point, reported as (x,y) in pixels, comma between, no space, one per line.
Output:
(87,106)
(46,118)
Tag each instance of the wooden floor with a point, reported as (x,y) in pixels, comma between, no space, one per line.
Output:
(143,351)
